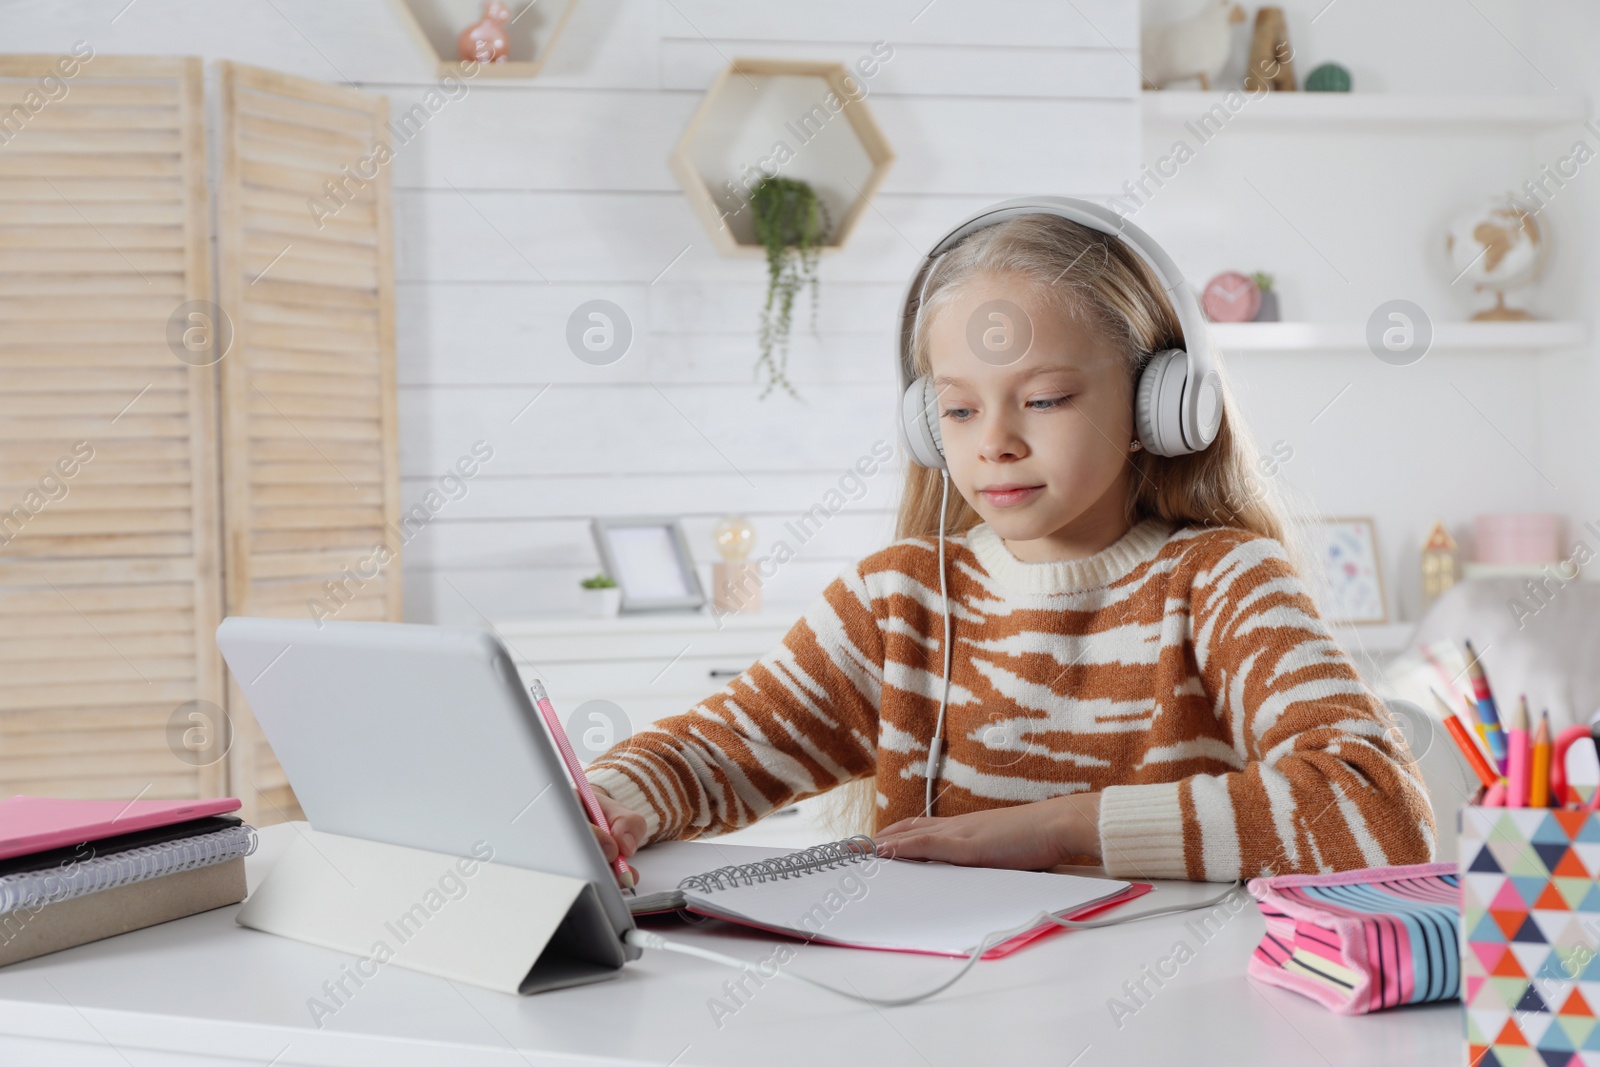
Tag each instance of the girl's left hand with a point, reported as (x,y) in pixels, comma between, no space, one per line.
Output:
(1028,837)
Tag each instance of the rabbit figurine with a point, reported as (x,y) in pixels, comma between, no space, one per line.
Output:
(486,40)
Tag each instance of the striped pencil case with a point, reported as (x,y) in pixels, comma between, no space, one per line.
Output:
(1360,941)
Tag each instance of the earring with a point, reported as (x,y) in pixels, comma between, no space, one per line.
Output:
(1135,446)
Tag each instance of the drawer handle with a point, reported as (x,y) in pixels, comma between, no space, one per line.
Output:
(723,672)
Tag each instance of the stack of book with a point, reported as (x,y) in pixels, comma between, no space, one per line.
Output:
(75,871)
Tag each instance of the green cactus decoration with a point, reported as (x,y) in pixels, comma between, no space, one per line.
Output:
(1328,78)
(791,222)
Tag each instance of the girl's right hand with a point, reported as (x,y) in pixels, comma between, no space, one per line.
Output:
(627,828)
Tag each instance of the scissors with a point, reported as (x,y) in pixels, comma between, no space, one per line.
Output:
(1560,791)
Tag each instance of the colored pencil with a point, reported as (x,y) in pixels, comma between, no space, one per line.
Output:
(1518,757)
(1486,708)
(591,803)
(1483,735)
(1432,656)
(1464,743)
(1469,749)
(1496,796)
(1473,719)
(1539,782)
(1468,719)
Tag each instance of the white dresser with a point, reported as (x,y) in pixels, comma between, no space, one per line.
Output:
(650,665)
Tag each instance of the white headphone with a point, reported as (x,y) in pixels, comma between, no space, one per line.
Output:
(1177,405)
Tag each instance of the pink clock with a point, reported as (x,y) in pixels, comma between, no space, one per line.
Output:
(1231,297)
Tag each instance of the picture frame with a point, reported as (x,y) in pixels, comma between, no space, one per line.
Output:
(648,557)
(1348,548)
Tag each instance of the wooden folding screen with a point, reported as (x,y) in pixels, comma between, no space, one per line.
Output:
(310,461)
(164,457)
(109,569)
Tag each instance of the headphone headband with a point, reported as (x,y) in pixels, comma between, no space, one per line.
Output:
(1200,385)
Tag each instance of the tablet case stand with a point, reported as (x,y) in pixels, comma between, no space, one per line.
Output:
(457,917)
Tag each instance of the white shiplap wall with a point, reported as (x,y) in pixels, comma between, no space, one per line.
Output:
(521,200)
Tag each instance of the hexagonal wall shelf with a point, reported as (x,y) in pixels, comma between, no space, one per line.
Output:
(532,29)
(764,116)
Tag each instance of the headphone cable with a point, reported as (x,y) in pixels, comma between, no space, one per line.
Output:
(936,747)
(650,939)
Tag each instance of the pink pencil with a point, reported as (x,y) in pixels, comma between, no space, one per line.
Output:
(590,802)
(1519,758)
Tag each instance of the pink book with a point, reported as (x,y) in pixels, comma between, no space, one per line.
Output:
(34,824)
(1004,948)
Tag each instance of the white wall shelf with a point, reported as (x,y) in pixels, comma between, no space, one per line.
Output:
(1457,336)
(1454,114)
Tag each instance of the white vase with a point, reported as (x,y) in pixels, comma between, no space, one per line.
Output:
(600,603)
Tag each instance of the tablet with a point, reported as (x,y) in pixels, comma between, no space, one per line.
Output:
(417,735)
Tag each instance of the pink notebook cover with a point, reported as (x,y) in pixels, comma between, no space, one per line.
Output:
(34,824)
(1004,948)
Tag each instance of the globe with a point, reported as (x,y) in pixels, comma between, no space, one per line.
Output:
(1499,245)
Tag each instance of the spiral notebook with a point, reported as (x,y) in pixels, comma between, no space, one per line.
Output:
(843,893)
(74,877)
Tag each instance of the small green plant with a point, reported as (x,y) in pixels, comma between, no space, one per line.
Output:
(1263,280)
(791,222)
(599,581)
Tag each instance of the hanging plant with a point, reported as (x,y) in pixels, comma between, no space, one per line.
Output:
(791,223)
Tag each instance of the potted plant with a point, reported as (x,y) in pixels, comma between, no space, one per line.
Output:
(791,222)
(600,598)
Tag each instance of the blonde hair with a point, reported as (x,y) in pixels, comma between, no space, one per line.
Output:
(1097,280)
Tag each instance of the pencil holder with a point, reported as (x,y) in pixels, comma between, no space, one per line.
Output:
(1530,935)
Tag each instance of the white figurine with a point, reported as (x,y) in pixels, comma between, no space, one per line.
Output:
(1195,47)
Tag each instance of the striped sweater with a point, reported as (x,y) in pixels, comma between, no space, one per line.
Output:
(1182,672)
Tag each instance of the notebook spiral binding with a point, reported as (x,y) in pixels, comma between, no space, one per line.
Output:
(76,878)
(816,858)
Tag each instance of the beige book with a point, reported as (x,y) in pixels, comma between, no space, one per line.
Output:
(26,933)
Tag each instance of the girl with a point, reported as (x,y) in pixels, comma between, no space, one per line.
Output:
(1138,674)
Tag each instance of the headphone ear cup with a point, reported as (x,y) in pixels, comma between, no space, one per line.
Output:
(919,418)
(930,413)
(1158,413)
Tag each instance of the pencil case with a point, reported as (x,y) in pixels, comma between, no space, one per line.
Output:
(1359,941)
(1530,922)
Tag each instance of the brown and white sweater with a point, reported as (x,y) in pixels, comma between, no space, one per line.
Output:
(1183,673)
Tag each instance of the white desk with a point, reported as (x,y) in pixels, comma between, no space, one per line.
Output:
(203,991)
